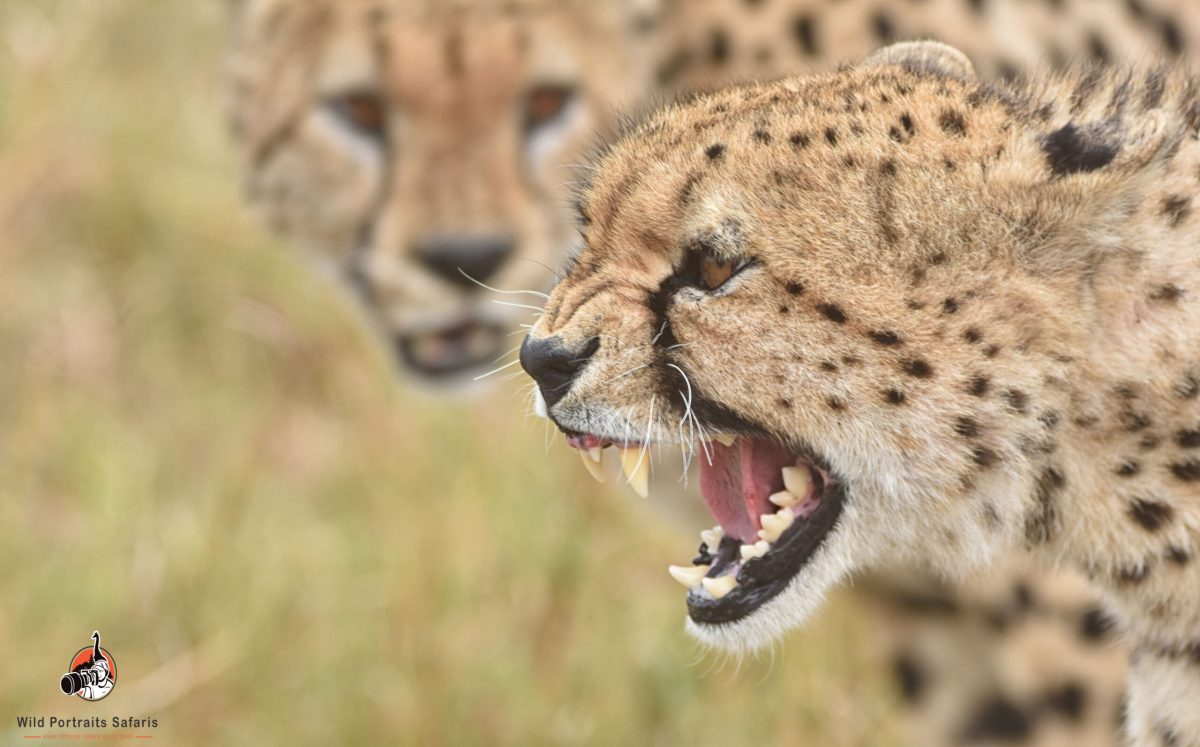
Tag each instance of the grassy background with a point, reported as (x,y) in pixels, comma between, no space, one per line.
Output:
(204,455)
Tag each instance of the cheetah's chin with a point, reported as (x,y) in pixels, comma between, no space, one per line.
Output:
(775,509)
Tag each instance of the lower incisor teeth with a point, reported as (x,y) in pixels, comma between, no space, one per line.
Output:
(594,468)
(688,575)
(776,524)
(719,587)
(636,465)
(757,550)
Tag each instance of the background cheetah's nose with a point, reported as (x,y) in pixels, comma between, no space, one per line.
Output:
(554,365)
(477,256)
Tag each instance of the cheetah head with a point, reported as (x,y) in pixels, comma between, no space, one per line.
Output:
(854,300)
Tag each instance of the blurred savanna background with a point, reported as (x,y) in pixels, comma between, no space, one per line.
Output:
(206,455)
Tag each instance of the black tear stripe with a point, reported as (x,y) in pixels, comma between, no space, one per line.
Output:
(1072,149)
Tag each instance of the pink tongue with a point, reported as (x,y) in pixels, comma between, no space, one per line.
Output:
(739,480)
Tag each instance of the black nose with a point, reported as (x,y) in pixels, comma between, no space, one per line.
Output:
(554,365)
(477,256)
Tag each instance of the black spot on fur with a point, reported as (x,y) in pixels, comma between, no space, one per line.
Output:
(894,396)
(1098,49)
(997,719)
(761,136)
(829,366)
(885,337)
(794,288)
(1128,468)
(1188,439)
(884,30)
(984,457)
(804,30)
(1069,700)
(978,385)
(1039,525)
(1166,293)
(918,368)
(1070,150)
(1095,625)
(1188,471)
(831,135)
(966,427)
(952,123)
(972,335)
(835,404)
(909,677)
(1151,515)
(785,404)
(907,123)
(798,140)
(1188,388)
(1016,399)
(1177,555)
(1132,574)
(1176,209)
(1135,421)
(950,306)
(718,47)
(715,151)
(888,168)
(991,351)
(832,312)
(1172,39)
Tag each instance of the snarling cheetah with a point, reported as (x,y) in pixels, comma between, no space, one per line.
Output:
(907,317)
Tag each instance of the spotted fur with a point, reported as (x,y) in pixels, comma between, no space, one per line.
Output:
(1036,221)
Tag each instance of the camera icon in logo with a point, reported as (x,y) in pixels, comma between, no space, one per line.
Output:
(93,672)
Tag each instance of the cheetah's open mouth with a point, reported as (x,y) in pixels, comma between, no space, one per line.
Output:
(457,349)
(774,507)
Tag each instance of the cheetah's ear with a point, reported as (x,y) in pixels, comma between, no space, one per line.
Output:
(925,57)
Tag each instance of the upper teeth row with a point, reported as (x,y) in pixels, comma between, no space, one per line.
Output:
(796,485)
(635,463)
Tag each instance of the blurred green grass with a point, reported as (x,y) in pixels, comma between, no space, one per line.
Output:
(204,455)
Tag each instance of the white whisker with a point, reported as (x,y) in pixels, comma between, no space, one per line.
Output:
(496,370)
(497,290)
(538,309)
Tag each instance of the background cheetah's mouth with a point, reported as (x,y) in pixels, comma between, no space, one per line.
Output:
(461,348)
(774,507)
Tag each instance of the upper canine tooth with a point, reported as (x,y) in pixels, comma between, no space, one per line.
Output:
(719,587)
(594,468)
(776,524)
(712,537)
(636,465)
(689,575)
(796,480)
(783,499)
(725,439)
(596,454)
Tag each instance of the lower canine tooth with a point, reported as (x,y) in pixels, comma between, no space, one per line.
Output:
(636,465)
(689,575)
(712,537)
(594,468)
(783,499)
(795,480)
(719,587)
(725,439)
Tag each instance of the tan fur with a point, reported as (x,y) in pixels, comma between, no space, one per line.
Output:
(924,233)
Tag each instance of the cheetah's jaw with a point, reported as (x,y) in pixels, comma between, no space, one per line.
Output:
(774,508)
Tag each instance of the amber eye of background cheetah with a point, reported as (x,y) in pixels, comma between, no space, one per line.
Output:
(364,111)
